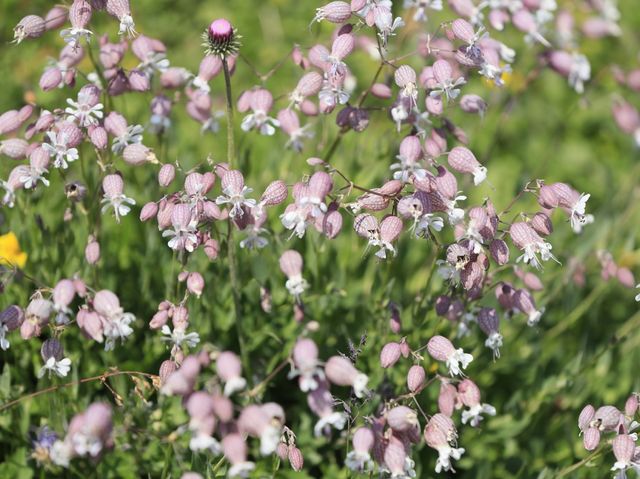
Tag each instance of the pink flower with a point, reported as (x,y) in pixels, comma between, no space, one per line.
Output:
(235,193)
(359,459)
(341,372)
(441,349)
(229,369)
(441,435)
(291,266)
(114,197)
(531,244)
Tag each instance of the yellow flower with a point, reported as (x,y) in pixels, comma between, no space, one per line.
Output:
(10,252)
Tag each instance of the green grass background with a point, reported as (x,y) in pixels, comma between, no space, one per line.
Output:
(584,350)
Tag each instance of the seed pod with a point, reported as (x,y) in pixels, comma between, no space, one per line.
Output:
(15,148)
(51,348)
(463,30)
(380,90)
(404,76)
(473,104)
(166,174)
(56,17)
(295,458)
(390,354)
(334,12)
(12,317)
(416,378)
(402,418)
(499,251)
(586,415)
(541,223)
(195,283)
(291,263)
(31,26)
(440,348)
(137,154)
(80,14)
(92,251)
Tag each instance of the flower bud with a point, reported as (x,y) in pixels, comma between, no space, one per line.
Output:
(416,378)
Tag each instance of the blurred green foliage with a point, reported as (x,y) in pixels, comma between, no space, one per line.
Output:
(584,350)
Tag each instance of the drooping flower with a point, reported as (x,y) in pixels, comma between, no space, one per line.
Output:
(114,197)
(88,109)
(235,193)
(117,322)
(58,148)
(52,354)
(441,349)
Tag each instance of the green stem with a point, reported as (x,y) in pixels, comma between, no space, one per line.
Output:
(237,299)
(231,254)
(231,150)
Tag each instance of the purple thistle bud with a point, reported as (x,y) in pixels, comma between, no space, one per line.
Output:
(416,378)
(295,458)
(463,160)
(31,26)
(220,30)
(334,12)
(390,354)
(221,39)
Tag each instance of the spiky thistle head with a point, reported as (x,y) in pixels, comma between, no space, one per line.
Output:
(221,39)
